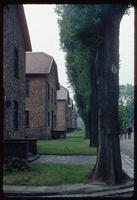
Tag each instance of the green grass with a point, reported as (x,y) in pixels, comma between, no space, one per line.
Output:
(73,144)
(49,174)
(76,134)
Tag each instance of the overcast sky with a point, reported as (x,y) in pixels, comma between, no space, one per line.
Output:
(44,35)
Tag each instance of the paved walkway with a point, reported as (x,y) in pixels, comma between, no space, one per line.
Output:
(76,160)
(127,149)
(128,165)
(127,146)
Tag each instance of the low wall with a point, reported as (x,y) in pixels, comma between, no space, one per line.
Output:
(19,147)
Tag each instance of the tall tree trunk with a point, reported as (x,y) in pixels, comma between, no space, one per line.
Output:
(86,127)
(94,103)
(108,166)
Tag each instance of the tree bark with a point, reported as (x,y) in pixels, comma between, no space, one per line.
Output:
(108,167)
(86,127)
(94,102)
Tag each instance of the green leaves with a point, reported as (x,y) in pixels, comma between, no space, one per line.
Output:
(79,36)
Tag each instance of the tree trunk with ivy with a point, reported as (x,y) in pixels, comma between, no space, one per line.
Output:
(108,166)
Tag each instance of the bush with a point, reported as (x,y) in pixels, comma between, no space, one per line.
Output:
(16,164)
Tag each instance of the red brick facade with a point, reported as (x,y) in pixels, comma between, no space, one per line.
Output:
(62,109)
(41,102)
(62,116)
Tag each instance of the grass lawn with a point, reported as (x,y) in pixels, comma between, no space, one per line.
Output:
(73,144)
(49,174)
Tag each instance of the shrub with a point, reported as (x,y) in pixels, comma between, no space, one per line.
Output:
(16,164)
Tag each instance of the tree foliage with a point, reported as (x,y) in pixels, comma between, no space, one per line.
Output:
(77,33)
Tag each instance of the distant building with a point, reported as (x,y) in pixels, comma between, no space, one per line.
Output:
(15,42)
(41,88)
(74,118)
(63,101)
(70,109)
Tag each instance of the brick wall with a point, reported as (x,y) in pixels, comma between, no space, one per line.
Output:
(39,105)
(13,87)
(52,104)
(35,104)
(69,126)
(61,116)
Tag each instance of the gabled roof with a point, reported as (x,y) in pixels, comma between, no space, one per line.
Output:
(63,93)
(38,63)
(24,27)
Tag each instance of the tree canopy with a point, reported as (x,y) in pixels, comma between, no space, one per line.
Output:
(77,33)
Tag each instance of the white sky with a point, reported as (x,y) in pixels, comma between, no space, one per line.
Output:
(44,35)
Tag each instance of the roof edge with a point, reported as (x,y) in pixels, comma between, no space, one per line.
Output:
(24,27)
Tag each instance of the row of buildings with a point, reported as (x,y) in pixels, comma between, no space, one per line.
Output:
(49,110)
(35,105)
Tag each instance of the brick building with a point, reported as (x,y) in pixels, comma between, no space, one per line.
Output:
(41,87)
(15,42)
(70,108)
(63,101)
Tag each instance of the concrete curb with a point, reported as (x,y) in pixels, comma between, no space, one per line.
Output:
(68,190)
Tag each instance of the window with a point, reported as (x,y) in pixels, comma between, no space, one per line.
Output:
(55,121)
(52,97)
(48,92)
(26,118)
(16,63)
(55,98)
(27,88)
(15,115)
(48,118)
(52,118)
